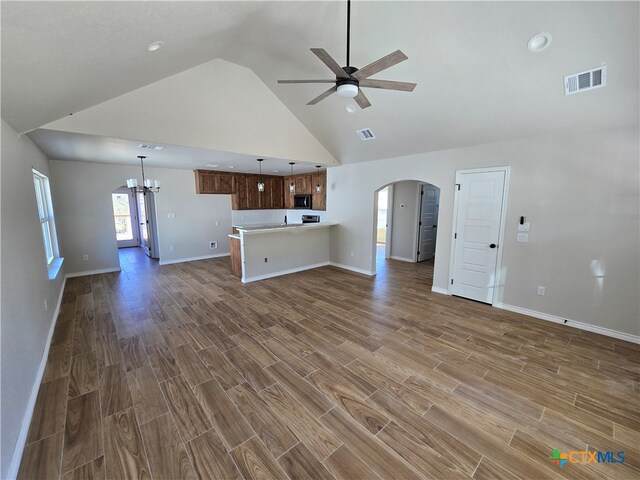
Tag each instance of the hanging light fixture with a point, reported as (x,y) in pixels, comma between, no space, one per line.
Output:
(260,182)
(292,185)
(148,185)
(318,186)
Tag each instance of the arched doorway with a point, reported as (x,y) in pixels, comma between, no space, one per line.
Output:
(406,221)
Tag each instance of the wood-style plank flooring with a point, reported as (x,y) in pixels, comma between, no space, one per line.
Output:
(181,371)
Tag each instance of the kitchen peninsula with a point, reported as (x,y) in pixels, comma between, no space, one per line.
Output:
(264,251)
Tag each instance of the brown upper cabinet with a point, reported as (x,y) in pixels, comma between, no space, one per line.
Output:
(243,188)
(319,200)
(303,185)
(214,182)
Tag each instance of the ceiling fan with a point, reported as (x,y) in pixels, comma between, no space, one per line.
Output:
(350,80)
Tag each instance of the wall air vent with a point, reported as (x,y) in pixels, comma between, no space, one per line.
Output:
(366,134)
(151,147)
(583,81)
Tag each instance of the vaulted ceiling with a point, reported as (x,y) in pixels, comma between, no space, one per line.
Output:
(477,82)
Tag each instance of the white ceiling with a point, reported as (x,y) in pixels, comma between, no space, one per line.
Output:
(477,82)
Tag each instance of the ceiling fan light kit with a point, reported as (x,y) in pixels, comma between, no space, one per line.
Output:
(347,90)
(350,80)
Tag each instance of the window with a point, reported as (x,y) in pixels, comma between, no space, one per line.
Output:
(45,215)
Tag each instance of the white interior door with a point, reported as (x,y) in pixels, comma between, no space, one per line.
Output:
(477,233)
(428,222)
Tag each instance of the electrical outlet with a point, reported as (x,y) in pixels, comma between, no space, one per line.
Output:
(85,258)
(46,307)
(541,290)
(172,248)
(266,259)
(213,245)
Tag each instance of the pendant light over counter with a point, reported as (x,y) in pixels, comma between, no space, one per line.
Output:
(260,181)
(292,185)
(318,186)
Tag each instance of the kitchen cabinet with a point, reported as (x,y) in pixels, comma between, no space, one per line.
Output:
(236,256)
(210,182)
(247,196)
(288,194)
(304,185)
(319,200)
(273,195)
(246,192)
(243,188)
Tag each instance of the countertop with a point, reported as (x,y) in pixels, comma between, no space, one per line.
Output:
(280,227)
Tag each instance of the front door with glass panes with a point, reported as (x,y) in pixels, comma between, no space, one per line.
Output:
(125,216)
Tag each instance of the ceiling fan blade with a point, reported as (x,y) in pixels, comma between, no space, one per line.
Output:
(322,96)
(307,81)
(379,65)
(388,85)
(362,100)
(330,62)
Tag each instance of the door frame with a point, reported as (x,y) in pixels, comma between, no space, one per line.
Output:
(133,214)
(503,217)
(389,229)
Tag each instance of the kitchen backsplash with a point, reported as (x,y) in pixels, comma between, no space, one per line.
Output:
(262,217)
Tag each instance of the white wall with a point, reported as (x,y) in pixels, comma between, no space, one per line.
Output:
(85,215)
(580,193)
(25,286)
(404,231)
(217,105)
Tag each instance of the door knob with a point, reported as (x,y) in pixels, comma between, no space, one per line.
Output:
(493,245)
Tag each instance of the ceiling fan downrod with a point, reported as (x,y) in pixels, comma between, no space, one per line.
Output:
(348,30)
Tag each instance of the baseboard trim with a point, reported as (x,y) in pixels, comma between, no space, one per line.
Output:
(31,405)
(353,269)
(92,272)
(402,259)
(192,259)
(571,323)
(284,272)
(443,291)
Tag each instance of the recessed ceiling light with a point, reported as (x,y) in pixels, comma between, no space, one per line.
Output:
(539,42)
(154,46)
(231,166)
(276,171)
(210,165)
(350,108)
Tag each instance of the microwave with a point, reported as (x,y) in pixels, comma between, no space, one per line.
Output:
(302,201)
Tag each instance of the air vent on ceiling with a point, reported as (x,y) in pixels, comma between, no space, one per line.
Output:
(366,134)
(583,81)
(150,147)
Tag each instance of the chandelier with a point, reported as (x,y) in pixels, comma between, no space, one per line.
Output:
(148,185)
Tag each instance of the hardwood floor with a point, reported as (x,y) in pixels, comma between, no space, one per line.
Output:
(181,371)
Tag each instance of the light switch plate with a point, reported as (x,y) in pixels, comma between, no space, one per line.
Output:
(522,237)
(171,215)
